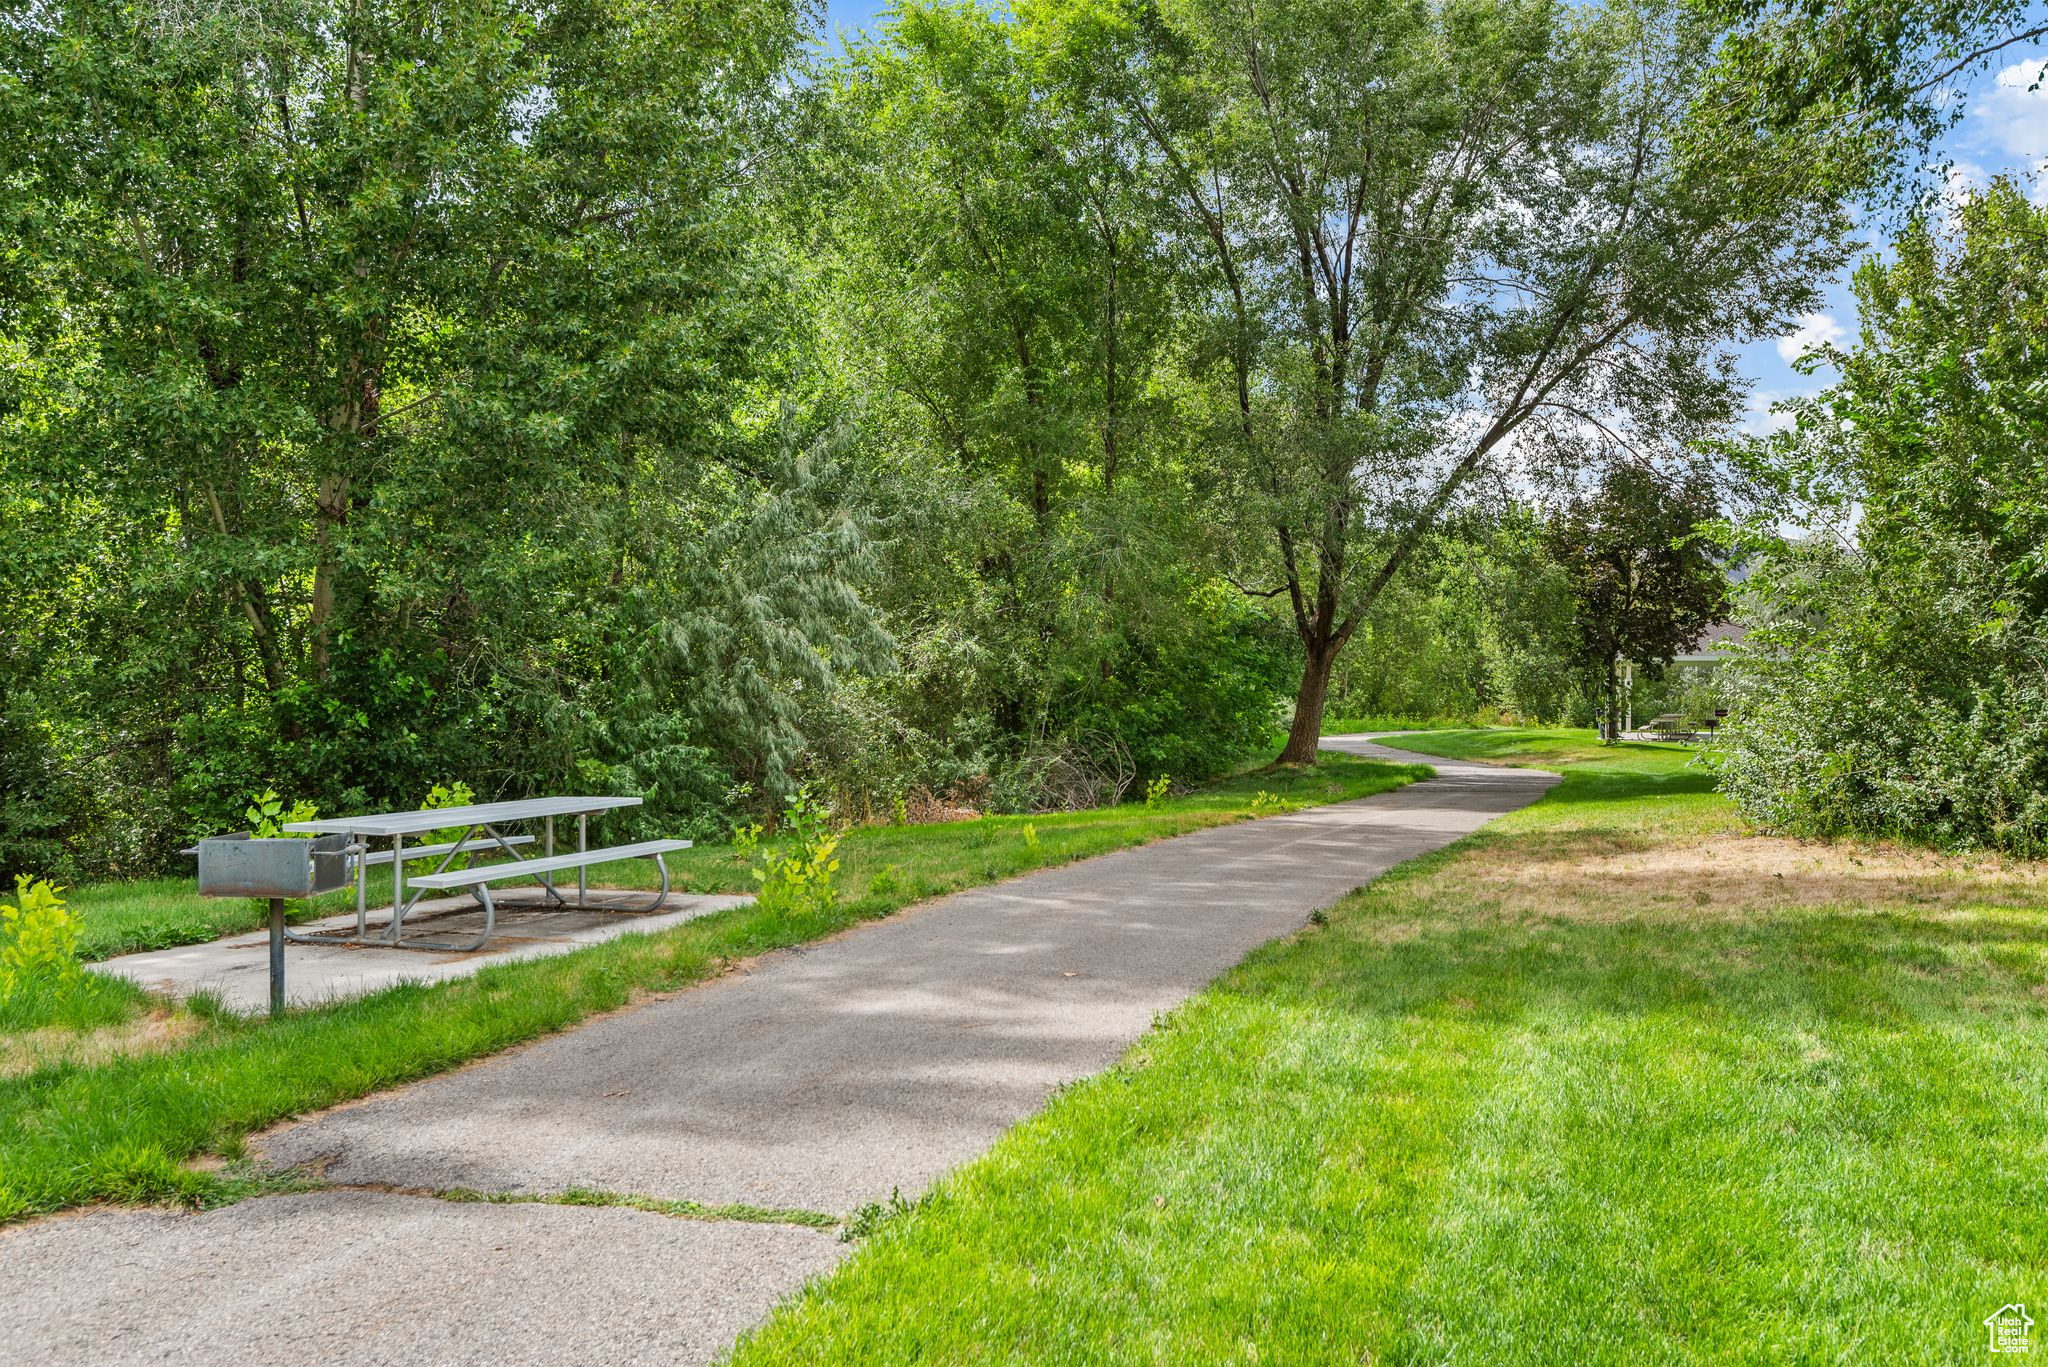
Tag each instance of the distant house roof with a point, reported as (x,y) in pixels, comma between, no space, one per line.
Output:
(1712,645)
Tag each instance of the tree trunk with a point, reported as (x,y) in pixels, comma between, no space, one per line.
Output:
(1610,728)
(1304,735)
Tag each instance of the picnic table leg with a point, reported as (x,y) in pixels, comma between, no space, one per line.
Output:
(397,889)
(548,878)
(483,895)
(362,888)
(582,847)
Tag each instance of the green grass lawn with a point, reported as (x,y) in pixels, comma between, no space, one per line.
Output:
(108,1116)
(157,913)
(1615,1080)
(1351,726)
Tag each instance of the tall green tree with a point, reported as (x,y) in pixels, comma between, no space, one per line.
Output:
(988,275)
(418,411)
(1645,580)
(1440,240)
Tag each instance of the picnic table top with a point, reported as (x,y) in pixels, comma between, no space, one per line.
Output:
(481,814)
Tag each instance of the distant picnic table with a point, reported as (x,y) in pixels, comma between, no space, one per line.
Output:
(484,831)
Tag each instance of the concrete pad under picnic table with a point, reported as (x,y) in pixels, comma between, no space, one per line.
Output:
(834,1074)
(372,1277)
(238,967)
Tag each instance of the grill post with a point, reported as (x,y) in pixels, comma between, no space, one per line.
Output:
(276,957)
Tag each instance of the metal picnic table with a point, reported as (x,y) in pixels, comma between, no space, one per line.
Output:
(482,831)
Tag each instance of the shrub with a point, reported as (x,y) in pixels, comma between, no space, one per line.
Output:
(1892,713)
(42,982)
(798,876)
(440,797)
(38,938)
(1900,685)
(267,814)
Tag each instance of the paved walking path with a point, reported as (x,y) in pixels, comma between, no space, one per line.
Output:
(825,1077)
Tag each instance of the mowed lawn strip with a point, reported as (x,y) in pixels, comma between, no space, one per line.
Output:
(121,1126)
(1613,1080)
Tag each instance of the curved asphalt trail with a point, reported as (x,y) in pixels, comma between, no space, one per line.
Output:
(821,1078)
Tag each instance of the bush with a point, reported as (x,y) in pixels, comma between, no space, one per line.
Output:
(41,980)
(38,937)
(798,877)
(1902,686)
(1891,713)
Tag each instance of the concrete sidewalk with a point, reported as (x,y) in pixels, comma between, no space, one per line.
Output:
(237,969)
(825,1077)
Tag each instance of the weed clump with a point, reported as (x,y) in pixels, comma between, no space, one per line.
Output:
(42,981)
(799,875)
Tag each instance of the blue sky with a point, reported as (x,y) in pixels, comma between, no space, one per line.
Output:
(2003,130)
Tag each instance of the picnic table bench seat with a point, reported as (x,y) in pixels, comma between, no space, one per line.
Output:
(479,879)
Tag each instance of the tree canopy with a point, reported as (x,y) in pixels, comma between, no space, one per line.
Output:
(628,396)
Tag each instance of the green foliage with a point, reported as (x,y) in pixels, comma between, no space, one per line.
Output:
(387,399)
(1888,709)
(1644,579)
(796,878)
(42,982)
(873,1216)
(1157,788)
(456,794)
(38,938)
(1871,82)
(267,814)
(1894,677)
(36,795)
(441,795)
(1478,629)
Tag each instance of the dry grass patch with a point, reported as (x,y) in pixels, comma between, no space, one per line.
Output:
(1608,877)
(154,1032)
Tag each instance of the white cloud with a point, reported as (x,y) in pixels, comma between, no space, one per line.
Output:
(1962,179)
(1759,420)
(2012,113)
(1815,329)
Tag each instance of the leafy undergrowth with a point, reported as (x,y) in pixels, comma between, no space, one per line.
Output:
(43,989)
(1615,1080)
(122,1128)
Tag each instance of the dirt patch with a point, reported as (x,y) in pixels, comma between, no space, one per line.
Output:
(1734,873)
(157,1031)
